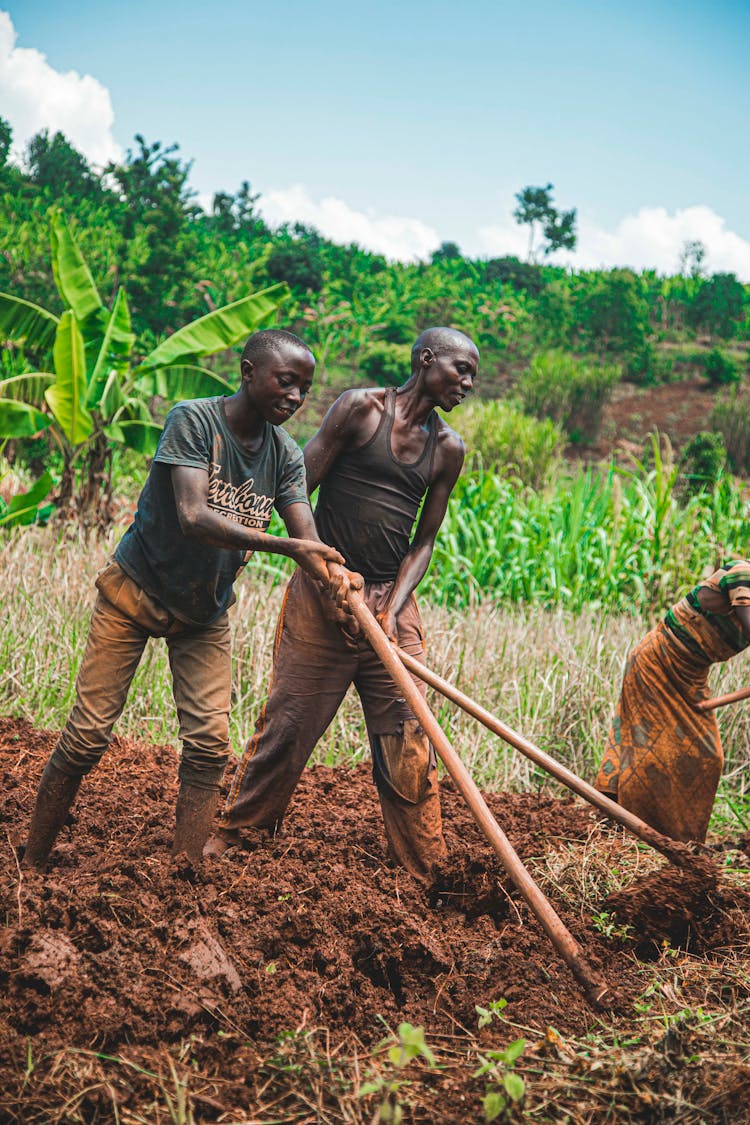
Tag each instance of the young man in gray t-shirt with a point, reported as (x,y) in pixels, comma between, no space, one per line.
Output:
(221,466)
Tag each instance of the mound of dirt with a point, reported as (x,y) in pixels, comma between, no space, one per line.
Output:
(119,944)
(682,909)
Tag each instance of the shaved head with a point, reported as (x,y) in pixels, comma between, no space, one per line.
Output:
(439,341)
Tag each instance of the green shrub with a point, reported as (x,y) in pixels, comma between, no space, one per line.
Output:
(568,391)
(501,438)
(649,366)
(730,417)
(720,369)
(702,462)
(388,365)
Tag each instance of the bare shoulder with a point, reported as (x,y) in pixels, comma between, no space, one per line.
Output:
(353,410)
(360,400)
(450,443)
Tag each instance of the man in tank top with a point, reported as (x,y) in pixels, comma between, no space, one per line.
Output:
(377,454)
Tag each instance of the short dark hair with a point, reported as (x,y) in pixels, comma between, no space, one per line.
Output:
(268,342)
(438,340)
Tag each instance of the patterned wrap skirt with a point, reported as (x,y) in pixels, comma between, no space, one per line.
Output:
(663,758)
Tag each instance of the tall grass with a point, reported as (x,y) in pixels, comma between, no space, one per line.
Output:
(503,439)
(552,674)
(612,540)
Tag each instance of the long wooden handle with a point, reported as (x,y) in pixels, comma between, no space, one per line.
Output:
(594,987)
(722,700)
(674,851)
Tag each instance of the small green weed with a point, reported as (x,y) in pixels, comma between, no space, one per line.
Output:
(505,1088)
(400,1049)
(607,925)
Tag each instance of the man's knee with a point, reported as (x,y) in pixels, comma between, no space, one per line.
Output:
(403,762)
(204,766)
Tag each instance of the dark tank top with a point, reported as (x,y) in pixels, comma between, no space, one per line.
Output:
(369,501)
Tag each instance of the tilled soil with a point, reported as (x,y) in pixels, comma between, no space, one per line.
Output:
(120,946)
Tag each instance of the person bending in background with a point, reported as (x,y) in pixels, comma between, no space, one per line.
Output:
(376,455)
(663,757)
(221,466)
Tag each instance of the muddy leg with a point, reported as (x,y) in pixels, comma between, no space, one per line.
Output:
(312,670)
(195,812)
(57,791)
(405,773)
(403,761)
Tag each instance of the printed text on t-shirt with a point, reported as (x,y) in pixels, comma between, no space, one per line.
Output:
(238,502)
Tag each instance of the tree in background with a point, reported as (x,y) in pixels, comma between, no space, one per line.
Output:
(519,275)
(536,210)
(719,305)
(157,235)
(56,164)
(692,257)
(611,312)
(446,252)
(236,214)
(296,259)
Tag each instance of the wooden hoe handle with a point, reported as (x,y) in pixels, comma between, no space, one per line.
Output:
(594,987)
(678,853)
(722,700)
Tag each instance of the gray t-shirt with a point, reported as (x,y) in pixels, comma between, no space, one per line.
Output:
(191,579)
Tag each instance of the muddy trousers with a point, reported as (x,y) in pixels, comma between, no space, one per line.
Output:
(313,668)
(124,618)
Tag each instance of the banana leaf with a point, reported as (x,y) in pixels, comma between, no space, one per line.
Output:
(112,397)
(24,509)
(18,419)
(178,383)
(141,436)
(72,276)
(23,320)
(28,388)
(114,351)
(67,395)
(219,329)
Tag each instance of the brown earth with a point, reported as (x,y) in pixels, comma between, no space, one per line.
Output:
(119,950)
(679,410)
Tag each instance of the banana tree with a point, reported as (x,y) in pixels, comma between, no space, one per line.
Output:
(27,507)
(95,398)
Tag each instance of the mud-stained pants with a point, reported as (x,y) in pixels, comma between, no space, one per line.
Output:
(313,668)
(124,618)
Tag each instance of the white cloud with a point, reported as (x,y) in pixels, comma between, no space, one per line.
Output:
(650,239)
(395,237)
(35,96)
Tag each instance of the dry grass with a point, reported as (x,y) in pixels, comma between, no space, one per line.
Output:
(552,675)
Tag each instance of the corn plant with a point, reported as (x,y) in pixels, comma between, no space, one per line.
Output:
(616,539)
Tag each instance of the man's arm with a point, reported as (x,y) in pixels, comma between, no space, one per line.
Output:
(199,521)
(415,562)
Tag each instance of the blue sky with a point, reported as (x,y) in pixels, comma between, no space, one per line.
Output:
(413,122)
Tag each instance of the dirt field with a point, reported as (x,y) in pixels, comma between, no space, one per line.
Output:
(125,973)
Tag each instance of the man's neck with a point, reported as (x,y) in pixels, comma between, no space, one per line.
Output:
(244,421)
(414,405)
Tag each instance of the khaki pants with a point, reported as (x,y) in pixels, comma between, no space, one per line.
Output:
(124,618)
(313,668)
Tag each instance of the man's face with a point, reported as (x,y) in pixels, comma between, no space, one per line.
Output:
(277,384)
(451,373)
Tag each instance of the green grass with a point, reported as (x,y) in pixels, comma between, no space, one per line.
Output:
(551,674)
(615,540)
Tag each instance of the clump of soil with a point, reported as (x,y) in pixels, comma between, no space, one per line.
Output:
(119,945)
(682,909)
